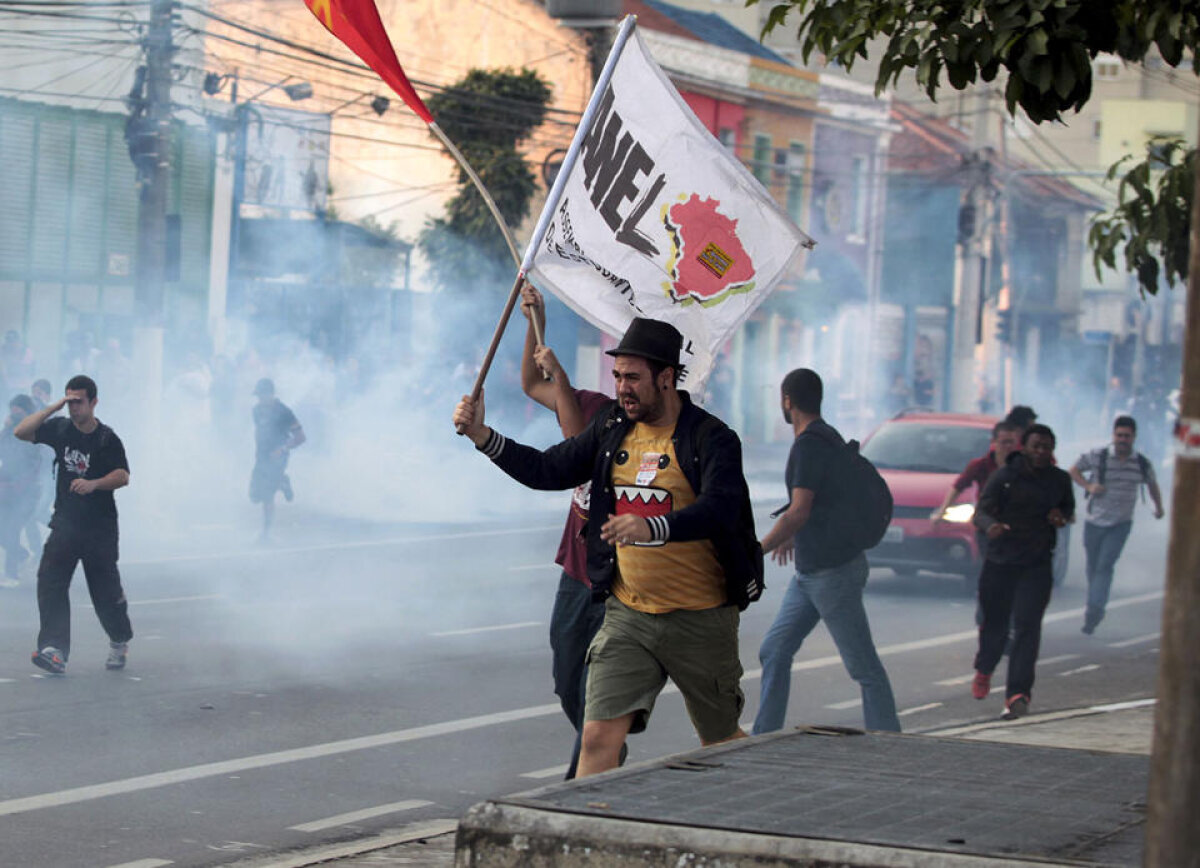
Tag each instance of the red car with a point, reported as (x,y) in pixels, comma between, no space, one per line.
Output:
(920,454)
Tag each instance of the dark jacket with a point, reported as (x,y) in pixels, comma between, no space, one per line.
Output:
(715,476)
(1022,497)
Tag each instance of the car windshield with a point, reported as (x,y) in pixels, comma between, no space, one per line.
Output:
(926,448)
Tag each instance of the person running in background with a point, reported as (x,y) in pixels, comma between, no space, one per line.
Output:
(575,617)
(1022,506)
(276,433)
(20,487)
(1111,476)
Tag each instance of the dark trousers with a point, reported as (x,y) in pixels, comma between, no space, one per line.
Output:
(1014,594)
(573,623)
(1102,545)
(64,549)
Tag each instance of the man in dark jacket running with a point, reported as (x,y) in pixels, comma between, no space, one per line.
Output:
(1021,508)
(660,544)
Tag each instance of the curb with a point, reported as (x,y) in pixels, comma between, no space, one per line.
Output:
(325,853)
(1047,717)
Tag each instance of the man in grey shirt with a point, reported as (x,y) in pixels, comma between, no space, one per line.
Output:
(1111,476)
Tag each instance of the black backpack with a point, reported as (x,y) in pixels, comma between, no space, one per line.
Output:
(862,505)
(739,552)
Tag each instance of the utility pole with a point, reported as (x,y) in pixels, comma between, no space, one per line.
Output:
(149,137)
(971,264)
(153,161)
(1173,803)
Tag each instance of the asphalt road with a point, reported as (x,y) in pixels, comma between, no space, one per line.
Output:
(354,678)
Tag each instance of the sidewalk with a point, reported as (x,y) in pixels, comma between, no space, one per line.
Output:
(1081,806)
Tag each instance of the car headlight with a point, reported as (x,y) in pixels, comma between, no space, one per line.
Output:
(961,513)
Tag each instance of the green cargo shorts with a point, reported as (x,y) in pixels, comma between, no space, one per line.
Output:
(634,654)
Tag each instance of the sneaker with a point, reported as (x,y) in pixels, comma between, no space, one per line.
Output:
(50,659)
(1088,628)
(1016,706)
(981,686)
(286,487)
(117,652)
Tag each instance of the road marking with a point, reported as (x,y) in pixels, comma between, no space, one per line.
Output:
(1125,643)
(849,703)
(530,567)
(144,863)
(552,772)
(471,631)
(335,748)
(1090,667)
(357,816)
(7,680)
(929,706)
(266,760)
(1124,706)
(162,601)
(325,547)
(1061,658)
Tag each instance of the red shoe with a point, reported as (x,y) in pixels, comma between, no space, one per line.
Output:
(981,686)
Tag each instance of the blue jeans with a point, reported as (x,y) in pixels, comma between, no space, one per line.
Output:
(835,596)
(573,623)
(1062,550)
(1103,545)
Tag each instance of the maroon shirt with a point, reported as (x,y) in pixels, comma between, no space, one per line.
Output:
(977,473)
(572,550)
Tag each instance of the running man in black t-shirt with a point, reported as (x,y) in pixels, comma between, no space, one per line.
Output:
(276,433)
(90,465)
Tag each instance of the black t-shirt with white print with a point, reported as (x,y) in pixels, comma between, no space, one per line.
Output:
(83,456)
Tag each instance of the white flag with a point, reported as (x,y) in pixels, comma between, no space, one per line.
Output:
(655,218)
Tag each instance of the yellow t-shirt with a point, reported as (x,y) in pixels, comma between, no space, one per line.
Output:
(660,577)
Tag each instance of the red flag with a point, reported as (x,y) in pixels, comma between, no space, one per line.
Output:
(357,23)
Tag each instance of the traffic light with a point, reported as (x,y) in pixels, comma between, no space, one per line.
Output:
(1004,325)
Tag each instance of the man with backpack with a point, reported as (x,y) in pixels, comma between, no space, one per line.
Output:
(1111,476)
(839,507)
(670,544)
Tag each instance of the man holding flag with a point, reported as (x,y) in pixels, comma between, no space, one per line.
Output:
(668,476)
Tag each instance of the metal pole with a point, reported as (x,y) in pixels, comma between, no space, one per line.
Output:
(155,168)
(1173,803)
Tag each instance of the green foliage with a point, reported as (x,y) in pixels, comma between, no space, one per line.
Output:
(1152,218)
(486,114)
(1043,47)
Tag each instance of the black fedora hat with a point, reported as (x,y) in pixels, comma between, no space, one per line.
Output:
(651,339)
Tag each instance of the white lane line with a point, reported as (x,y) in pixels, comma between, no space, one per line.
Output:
(1124,706)
(1061,658)
(525,568)
(266,760)
(473,630)
(849,703)
(552,772)
(144,863)
(1090,667)
(357,816)
(159,602)
(929,706)
(7,680)
(956,681)
(964,679)
(334,748)
(325,547)
(1137,640)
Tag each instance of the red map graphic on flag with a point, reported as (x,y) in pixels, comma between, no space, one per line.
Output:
(708,262)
